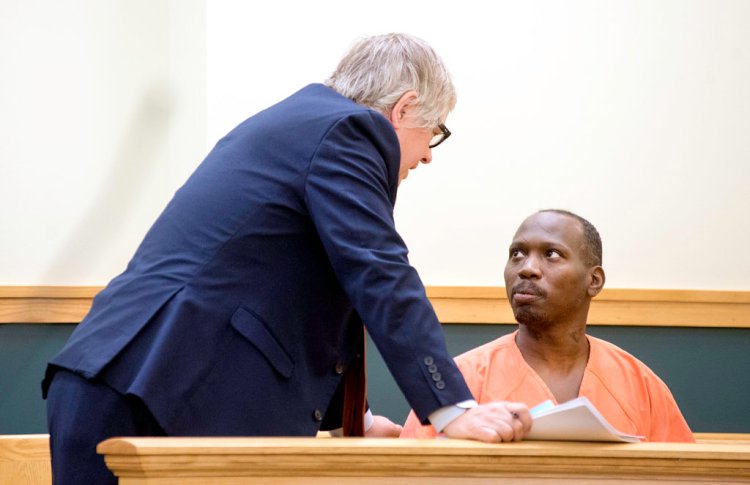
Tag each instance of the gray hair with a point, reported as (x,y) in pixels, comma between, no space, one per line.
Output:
(378,70)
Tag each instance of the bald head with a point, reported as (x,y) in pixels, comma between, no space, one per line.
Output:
(592,242)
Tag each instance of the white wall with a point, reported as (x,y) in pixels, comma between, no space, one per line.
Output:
(100,104)
(635,114)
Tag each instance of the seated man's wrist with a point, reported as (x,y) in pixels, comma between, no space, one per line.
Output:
(442,417)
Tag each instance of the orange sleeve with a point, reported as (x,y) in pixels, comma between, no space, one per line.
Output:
(632,397)
(414,429)
(667,422)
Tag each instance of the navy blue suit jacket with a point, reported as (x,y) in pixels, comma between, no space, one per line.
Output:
(241,307)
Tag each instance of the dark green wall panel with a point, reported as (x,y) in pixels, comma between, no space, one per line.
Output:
(24,352)
(708,370)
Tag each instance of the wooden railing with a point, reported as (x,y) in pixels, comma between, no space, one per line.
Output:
(358,461)
(453,304)
(25,459)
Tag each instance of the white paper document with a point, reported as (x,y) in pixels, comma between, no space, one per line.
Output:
(575,420)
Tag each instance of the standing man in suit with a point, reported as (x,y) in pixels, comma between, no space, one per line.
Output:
(241,312)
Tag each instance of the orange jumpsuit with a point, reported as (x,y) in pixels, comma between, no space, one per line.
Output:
(626,392)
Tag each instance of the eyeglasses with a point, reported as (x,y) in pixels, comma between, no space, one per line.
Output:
(440,137)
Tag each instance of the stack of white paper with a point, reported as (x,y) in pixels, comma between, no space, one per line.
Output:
(575,420)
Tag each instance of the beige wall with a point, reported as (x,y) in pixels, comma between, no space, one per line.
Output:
(100,103)
(636,114)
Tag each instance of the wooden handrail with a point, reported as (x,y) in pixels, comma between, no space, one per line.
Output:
(25,459)
(373,461)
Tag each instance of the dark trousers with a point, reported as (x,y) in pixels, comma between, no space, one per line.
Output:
(81,413)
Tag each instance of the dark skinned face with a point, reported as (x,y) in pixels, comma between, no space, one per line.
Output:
(546,277)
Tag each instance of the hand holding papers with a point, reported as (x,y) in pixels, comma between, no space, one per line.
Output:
(575,420)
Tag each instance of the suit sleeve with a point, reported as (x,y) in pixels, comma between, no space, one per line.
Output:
(350,192)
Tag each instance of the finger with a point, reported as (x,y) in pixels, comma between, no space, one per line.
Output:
(488,434)
(518,429)
(521,413)
(505,431)
(517,425)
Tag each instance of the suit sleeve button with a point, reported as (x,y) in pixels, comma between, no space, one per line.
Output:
(437,376)
(429,360)
(339,368)
(432,368)
(440,385)
(318,415)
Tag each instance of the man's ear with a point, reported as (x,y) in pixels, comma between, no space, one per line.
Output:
(597,281)
(405,103)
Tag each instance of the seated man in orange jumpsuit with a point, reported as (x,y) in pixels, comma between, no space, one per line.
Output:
(553,271)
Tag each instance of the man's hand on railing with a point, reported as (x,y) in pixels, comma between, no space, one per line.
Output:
(492,422)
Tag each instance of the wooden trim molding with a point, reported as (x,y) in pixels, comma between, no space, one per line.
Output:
(624,307)
(375,461)
(45,304)
(453,304)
